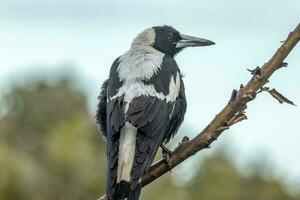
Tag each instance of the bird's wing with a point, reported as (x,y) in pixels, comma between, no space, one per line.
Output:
(150,114)
(114,122)
(153,116)
(177,115)
(101,110)
(161,83)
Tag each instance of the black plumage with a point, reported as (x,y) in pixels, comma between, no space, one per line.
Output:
(101,111)
(150,100)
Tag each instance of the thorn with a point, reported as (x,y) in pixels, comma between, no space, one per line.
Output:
(233,95)
(265,88)
(185,139)
(256,71)
(214,137)
(283,64)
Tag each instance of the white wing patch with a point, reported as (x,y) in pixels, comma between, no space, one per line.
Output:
(174,88)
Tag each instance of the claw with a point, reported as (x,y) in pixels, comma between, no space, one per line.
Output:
(166,155)
(165,149)
(166,158)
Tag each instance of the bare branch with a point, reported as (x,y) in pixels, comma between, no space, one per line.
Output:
(280,97)
(231,113)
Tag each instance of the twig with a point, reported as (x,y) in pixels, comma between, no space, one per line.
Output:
(232,113)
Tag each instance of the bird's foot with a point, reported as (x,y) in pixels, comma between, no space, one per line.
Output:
(166,155)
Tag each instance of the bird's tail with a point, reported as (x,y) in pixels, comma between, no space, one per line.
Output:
(127,146)
(123,191)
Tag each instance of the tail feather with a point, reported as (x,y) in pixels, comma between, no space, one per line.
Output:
(135,193)
(123,191)
(126,153)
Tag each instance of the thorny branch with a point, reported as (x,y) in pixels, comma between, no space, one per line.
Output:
(232,113)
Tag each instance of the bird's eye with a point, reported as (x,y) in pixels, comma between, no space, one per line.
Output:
(170,38)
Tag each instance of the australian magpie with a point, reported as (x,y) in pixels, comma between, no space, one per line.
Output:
(142,105)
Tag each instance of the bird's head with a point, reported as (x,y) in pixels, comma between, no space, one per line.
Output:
(168,40)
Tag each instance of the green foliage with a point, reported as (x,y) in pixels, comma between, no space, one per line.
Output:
(218,179)
(50,149)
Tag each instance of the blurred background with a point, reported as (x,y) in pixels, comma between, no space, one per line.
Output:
(55,54)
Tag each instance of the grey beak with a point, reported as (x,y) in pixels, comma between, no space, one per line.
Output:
(190,41)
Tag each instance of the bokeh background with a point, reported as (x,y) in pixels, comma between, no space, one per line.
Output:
(55,54)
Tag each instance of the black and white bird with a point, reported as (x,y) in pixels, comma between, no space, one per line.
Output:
(141,106)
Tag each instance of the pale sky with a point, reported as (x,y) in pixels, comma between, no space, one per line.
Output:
(37,35)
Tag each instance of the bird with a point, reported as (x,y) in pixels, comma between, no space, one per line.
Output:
(141,106)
